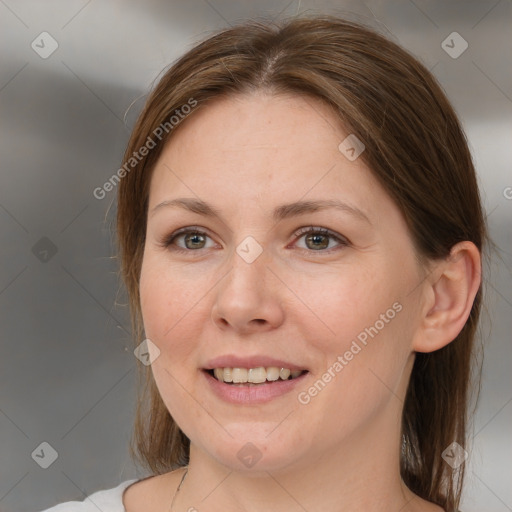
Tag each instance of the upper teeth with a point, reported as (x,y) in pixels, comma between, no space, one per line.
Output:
(254,375)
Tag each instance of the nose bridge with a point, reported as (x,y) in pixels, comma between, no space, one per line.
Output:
(249,268)
(248,293)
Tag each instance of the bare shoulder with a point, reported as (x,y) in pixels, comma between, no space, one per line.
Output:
(153,493)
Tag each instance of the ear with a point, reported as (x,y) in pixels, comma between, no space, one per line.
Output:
(450,291)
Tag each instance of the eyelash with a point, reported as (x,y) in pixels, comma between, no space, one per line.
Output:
(169,240)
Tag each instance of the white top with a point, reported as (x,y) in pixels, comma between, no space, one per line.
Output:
(110,500)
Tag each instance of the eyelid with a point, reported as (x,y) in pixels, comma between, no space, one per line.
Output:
(168,240)
(343,241)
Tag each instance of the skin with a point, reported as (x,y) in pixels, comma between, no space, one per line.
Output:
(247,155)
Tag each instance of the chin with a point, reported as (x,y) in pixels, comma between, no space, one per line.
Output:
(255,453)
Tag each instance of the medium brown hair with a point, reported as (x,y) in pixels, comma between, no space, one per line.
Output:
(415,147)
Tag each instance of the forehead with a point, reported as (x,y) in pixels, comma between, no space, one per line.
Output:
(262,148)
(260,120)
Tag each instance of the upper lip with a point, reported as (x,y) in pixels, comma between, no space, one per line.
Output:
(255,361)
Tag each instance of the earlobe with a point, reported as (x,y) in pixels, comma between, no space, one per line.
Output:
(452,289)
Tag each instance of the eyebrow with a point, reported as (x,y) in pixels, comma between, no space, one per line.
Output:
(280,213)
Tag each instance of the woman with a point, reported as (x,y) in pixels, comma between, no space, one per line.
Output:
(300,232)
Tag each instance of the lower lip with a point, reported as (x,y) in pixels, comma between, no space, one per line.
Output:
(255,394)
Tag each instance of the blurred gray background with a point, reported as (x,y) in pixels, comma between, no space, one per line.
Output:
(67,371)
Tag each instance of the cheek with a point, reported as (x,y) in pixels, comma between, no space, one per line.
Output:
(344,304)
(168,310)
(170,322)
(365,359)
(363,371)
(361,332)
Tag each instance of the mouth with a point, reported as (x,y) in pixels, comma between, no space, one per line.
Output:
(254,376)
(253,386)
(252,379)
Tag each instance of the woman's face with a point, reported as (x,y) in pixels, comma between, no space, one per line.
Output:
(255,290)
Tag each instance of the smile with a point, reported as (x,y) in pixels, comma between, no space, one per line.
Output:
(240,390)
(257,375)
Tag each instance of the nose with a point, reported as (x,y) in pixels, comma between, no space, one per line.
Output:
(249,298)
